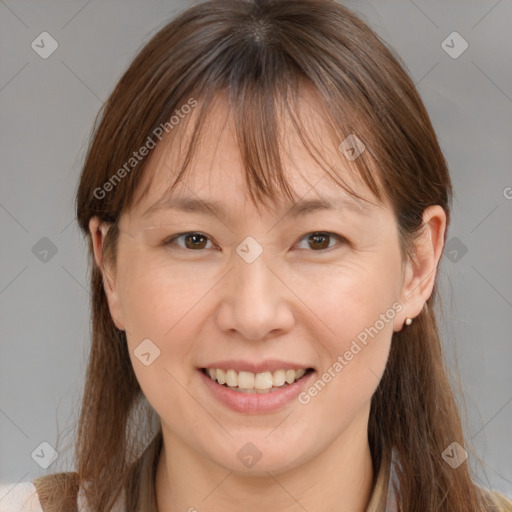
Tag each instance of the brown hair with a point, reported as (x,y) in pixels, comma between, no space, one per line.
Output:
(258,54)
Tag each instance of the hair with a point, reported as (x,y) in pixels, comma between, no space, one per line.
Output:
(259,55)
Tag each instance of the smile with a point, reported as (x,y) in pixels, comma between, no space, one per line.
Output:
(261,382)
(275,394)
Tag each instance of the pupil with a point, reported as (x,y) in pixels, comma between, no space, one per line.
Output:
(193,237)
(316,237)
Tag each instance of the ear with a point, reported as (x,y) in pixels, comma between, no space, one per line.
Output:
(98,232)
(421,269)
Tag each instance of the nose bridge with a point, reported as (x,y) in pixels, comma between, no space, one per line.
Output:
(253,280)
(254,302)
(252,276)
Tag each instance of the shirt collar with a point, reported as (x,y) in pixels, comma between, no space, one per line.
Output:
(383,497)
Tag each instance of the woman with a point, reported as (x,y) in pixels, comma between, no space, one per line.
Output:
(266,205)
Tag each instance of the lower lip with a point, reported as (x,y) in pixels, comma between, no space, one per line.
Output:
(255,402)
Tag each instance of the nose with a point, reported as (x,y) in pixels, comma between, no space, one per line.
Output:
(255,301)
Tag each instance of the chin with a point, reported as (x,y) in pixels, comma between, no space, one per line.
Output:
(250,460)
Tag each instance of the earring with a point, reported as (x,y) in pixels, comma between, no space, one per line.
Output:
(408,321)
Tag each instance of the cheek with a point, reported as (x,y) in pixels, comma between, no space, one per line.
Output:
(158,305)
(358,308)
(155,295)
(160,317)
(354,300)
(353,359)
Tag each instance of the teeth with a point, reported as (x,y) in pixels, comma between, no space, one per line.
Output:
(248,382)
(232,378)
(279,377)
(299,373)
(263,380)
(245,380)
(221,376)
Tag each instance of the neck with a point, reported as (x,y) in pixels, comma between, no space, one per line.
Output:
(337,480)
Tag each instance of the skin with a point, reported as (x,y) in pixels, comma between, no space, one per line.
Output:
(295,302)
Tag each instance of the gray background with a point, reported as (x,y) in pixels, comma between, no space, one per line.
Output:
(48,107)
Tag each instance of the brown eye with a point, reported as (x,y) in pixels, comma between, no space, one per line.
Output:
(317,241)
(320,241)
(193,241)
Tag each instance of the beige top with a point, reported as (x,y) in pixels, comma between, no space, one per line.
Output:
(22,497)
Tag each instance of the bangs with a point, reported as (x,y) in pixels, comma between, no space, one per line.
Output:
(265,65)
(259,110)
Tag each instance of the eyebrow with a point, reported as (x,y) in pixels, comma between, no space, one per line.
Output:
(299,208)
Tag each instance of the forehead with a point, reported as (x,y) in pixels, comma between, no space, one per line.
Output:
(216,179)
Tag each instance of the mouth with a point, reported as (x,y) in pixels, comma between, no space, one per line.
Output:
(256,383)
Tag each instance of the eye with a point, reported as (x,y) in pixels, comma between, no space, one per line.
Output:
(193,240)
(319,240)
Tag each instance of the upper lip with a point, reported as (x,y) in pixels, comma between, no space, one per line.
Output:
(269,365)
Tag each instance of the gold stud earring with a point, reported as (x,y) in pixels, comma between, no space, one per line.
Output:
(408,321)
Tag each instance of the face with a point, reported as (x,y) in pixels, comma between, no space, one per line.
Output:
(258,294)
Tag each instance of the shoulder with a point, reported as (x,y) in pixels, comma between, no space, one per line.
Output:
(497,500)
(20,497)
(503,501)
(54,491)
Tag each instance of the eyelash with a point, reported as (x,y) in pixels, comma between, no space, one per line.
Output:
(170,241)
